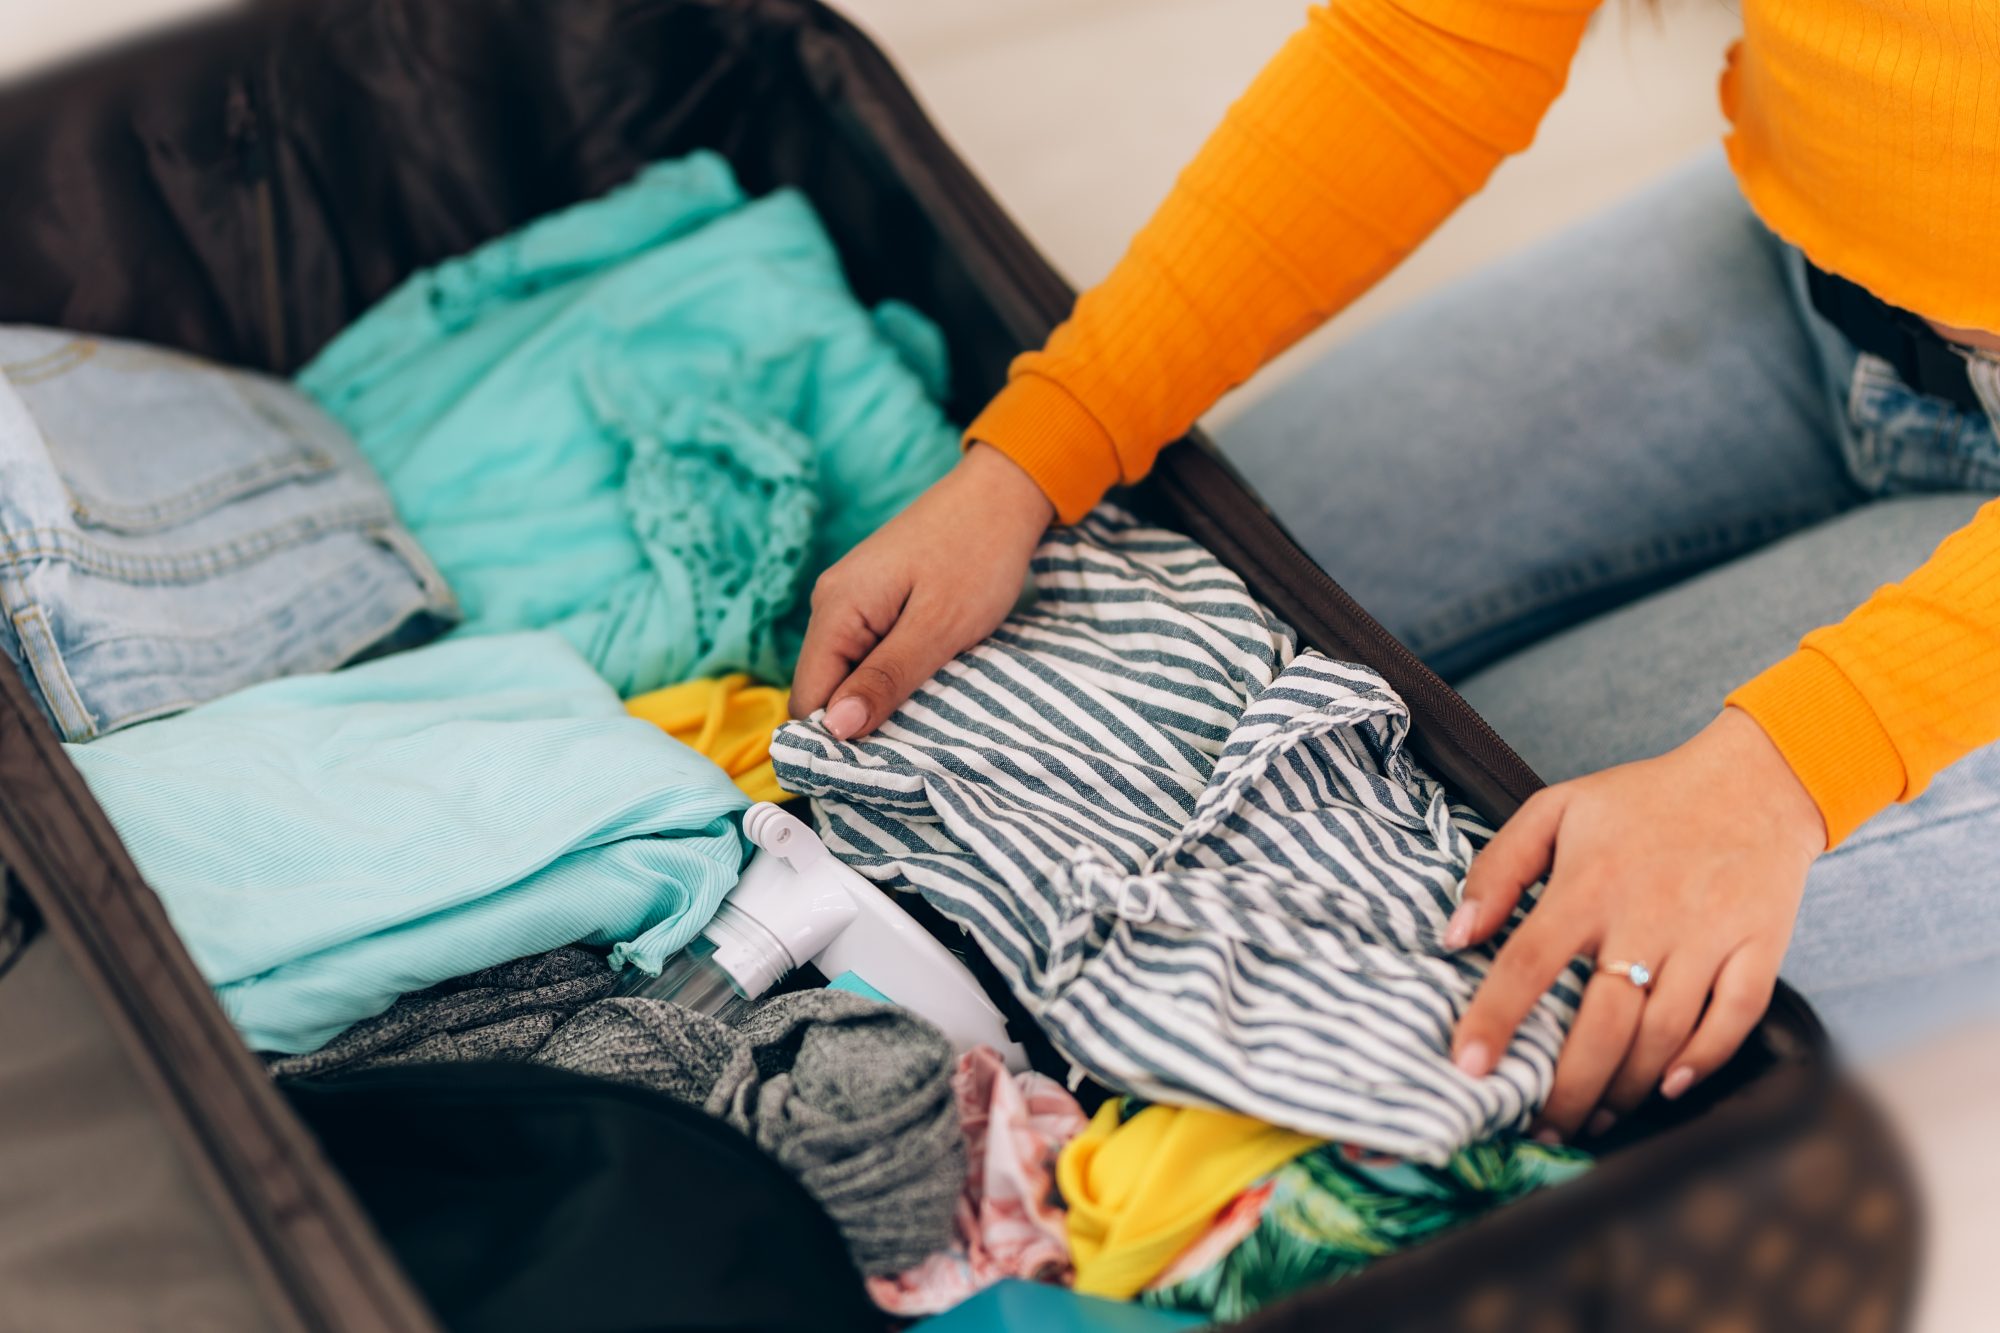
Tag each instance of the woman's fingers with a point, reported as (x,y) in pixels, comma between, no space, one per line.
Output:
(1672,1009)
(850,616)
(918,644)
(1598,1044)
(933,581)
(1520,853)
(1526,966)
(1695,862)
(1742,993)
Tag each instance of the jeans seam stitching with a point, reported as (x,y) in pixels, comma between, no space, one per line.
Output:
(170,511)
(32,544)
(410,595)
(38,642)
(51,365)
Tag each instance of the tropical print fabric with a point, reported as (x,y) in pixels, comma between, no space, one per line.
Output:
(1335,1209)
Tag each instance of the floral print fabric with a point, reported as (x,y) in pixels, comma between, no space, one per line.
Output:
(1010,1222)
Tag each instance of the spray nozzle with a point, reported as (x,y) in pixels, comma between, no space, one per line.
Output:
(783,835)
(797,903)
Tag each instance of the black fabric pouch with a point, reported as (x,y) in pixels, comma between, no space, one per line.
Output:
(522,1199)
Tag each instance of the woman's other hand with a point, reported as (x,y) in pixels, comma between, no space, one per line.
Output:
(1692,863)
(937,579)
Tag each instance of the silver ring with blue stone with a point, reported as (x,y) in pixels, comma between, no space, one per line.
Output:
(1638,974)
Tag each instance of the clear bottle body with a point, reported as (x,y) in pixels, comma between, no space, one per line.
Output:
(692,979)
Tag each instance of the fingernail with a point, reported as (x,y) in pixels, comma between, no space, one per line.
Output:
(846,717)
(1677,1082)
(1601,1123)
(1472,1059)
(1549,1137)
(1458,930)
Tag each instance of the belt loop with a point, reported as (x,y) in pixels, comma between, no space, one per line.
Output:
(38,645)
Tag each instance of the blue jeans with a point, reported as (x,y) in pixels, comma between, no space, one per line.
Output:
(1603,483)
(171,531)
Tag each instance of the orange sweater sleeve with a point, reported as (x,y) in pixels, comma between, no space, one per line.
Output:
(1369,127)
(1869,710)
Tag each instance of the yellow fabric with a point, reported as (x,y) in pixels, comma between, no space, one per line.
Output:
(730,720)
(1868,133)
(1141,1192)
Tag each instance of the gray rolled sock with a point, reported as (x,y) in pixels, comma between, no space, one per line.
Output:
(856,1100)
(852,1096)
(656,1045)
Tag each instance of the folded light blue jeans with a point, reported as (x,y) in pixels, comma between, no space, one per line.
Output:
(171,530)
(1606,481)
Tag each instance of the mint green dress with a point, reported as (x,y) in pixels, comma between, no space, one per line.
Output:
(646,422)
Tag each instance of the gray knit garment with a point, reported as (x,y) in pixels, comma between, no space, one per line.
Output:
(501,1013)
(852,1096)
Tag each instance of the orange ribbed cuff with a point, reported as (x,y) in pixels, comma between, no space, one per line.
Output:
(1830,736)
(1054,438)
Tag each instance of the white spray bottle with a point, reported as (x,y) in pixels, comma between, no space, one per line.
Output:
(795,904)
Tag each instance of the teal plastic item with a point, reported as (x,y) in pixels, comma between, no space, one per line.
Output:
(854,985)
(647,422)
(325,843)
(1014,1306)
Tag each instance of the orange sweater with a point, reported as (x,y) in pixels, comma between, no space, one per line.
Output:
(1867,132)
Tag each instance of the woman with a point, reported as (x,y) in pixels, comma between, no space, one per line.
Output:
(1564,483)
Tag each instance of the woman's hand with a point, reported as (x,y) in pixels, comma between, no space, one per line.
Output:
(1693,864)
(935,580)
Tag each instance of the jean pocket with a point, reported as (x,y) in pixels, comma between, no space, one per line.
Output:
(1902,441)
(146,440)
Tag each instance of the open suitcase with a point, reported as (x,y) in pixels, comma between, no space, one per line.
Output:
(245,189)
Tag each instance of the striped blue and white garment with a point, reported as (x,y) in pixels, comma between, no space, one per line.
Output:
(1203,860)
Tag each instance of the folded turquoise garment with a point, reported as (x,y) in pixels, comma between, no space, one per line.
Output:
(647,422)
(326,843)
